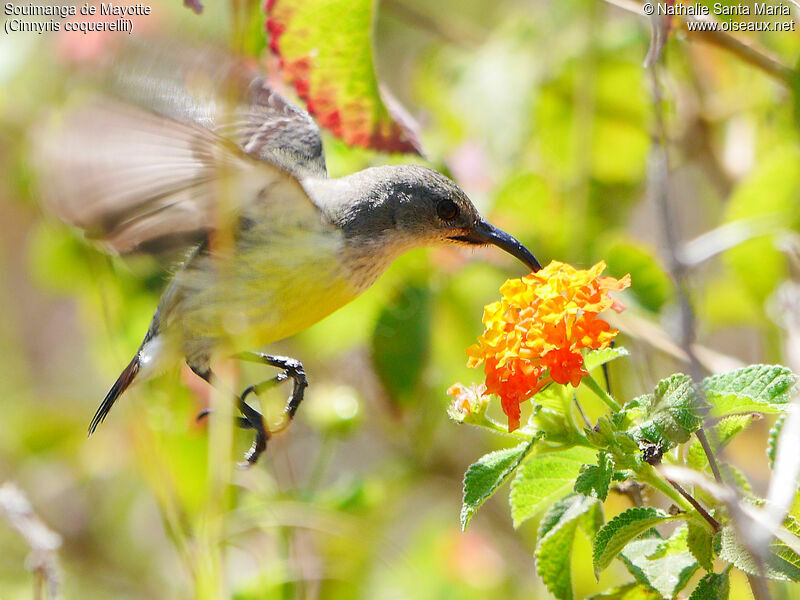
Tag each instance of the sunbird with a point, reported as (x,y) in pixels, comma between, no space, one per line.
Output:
(202,154)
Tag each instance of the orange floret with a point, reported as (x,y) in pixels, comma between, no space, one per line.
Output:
(535,334)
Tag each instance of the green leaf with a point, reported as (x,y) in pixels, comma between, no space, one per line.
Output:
(554,549)
(782,563)
(556,398)
(778,168)
(664,565)
(786,559)
(714,586)
(620,530)
(543,479)
(700,542)
(630,591)
(735,476)
(674,544)
(721,434)
(772,444)
(592,521)
(653,286)
(756,388)
(332,69)
(556,426)
(485,476)
(401,342)
(674,411)
(597,358)
(593,480)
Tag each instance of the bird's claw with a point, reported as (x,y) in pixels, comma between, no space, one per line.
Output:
(258,447)
(252,419)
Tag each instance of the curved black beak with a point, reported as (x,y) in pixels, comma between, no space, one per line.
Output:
(485,233)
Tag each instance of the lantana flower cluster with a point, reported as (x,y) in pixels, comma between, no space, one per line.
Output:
(536,333)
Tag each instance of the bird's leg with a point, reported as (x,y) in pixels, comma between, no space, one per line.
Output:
(252,419)
(292,369)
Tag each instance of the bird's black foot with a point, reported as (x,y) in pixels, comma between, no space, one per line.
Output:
(252,419)
(256,422)
(292,369)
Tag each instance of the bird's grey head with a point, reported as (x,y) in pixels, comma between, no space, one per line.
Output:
(398,208)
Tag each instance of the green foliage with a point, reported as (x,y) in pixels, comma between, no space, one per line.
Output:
(780,170)
(332,69)
(722,433)
(401,341)
(485,476)
(626,441)
(713,586)
(544,479)
(700,542)
(672,412)
(653,287)
(631,591)
(621,530)
(772,442)
(543,116)
(593,480)
(664,565)
(756,388)
(597,358)
(781,562)
(554,548)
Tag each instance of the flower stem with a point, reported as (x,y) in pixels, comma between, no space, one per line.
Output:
(647,474)
(712,460)
(487,423)
(601,393)
(697,506)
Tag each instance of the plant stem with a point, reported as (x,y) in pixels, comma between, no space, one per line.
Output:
(682,499)
(651,477)
(744,50)
(712,460)
(601,393)
(493,425)
(758,585)
(697,506)
(580,411)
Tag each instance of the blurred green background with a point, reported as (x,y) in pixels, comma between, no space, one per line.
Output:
(541,111)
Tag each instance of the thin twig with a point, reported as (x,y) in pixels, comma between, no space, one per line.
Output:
(447,29)
(580,411)
(601,393)
(677,268)
(660,189)
(697,506)
(758,585)
(745,51)
(16,509)
(633,490)
(712,461)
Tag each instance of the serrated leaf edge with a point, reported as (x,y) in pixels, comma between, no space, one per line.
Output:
(468,511)
(599,558)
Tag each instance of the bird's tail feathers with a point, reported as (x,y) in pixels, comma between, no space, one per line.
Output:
(120,385)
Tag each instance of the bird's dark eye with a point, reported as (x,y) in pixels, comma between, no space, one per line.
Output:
(447,210)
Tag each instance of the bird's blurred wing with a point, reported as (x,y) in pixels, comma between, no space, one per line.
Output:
(139,181)
(272,128)
(208,87)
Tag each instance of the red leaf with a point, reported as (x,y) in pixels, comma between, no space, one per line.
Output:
(324,51)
